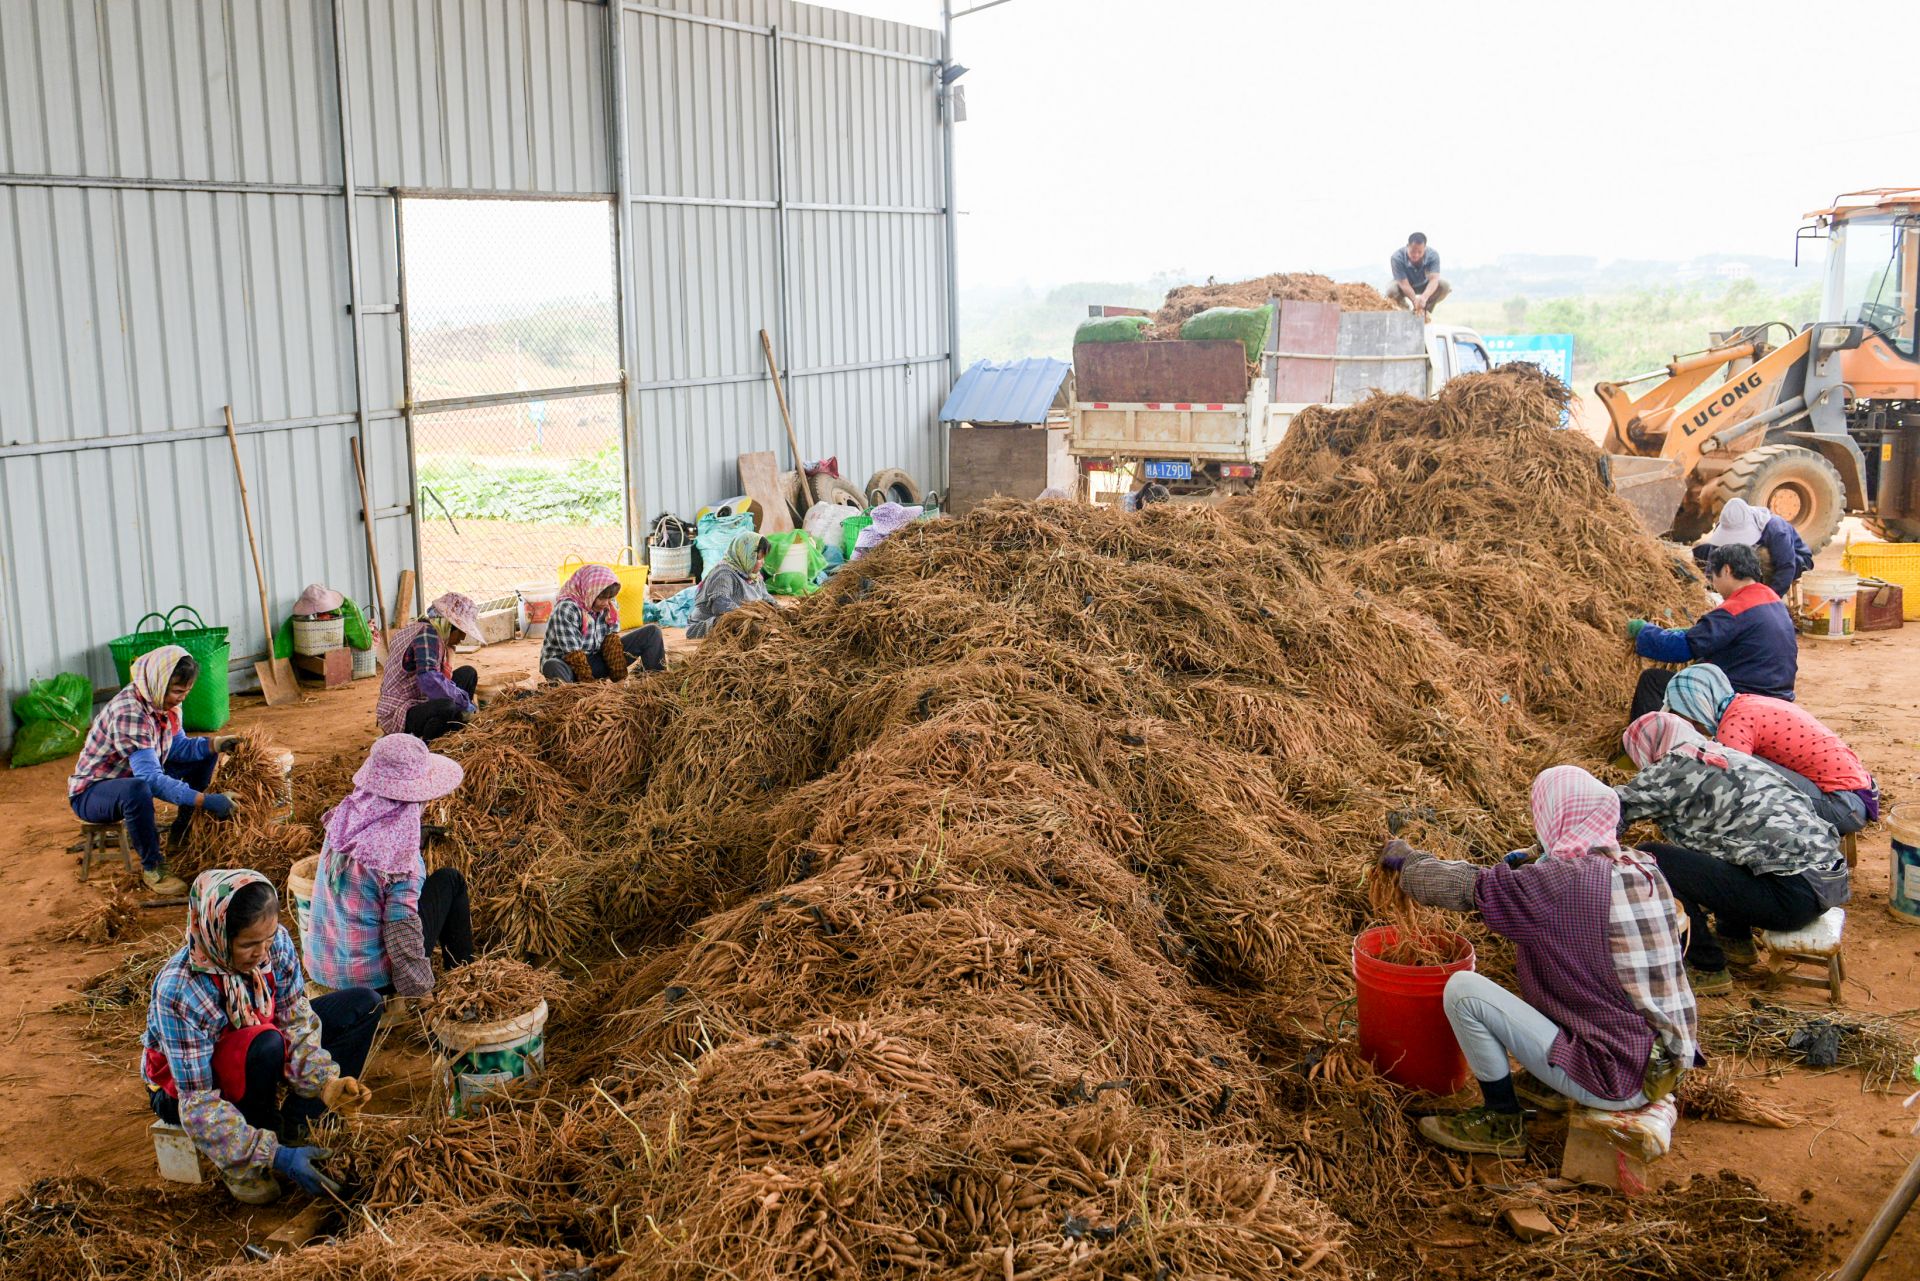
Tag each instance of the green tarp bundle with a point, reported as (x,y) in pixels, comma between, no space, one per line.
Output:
(1112,329)
(1245,325)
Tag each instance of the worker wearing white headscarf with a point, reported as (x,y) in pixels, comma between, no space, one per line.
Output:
(1743,524)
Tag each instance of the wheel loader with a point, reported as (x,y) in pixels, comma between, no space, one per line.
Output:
(1819,424)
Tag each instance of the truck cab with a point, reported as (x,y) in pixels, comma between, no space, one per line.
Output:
(1453,350)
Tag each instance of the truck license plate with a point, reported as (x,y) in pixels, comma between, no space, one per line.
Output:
(1169,471)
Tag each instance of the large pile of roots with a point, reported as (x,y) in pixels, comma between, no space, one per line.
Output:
(988,915)
(1184,301)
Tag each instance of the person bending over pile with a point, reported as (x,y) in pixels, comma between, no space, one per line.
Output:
(136,753)
(1604,1016)
(1749,635)
(1779,550)
(1785,735)
(230,1023)
(421,693)
(584,641)
(732,583)
(377,915)
(1744,845)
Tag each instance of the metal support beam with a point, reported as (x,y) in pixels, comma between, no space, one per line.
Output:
(623,283)
(946,196)
(488,399)
(180,435)
(783,246)
(350,210)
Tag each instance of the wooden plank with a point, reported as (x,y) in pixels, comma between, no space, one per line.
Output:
(760,481)
(1129,372)
(1311,327)
(1368,335)
(403,610)
(334,668)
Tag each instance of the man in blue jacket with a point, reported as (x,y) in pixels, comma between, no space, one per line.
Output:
(1787,554)
(1749,636)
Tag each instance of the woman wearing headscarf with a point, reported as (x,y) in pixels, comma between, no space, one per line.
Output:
(1743,845)
(229,1025)
(421,692)
(136,753)
(1785,555)
(584,641)
(1604,1015)
(734,582)
(377,916)
(1785,735)
(888,520)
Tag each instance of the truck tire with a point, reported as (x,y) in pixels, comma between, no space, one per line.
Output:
(891,485)
(1789,481)
(1892,529)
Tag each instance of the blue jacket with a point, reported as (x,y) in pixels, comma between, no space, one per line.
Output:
(1750,638)
(1791,555)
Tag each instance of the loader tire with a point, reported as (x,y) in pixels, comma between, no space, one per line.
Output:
(1788,481)
(1892,529)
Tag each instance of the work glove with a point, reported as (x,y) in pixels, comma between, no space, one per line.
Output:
(1393,855)
(1518,858)
(345,1095)
(1635,626)
(218,804)
(298,1164)
(225,743)
(577,664)
(616,655)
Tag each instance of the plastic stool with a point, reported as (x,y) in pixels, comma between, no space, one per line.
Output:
(96,839)
(179,1159)
(1817,944)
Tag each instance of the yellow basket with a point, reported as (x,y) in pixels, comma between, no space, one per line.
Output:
(632,600)
(1897,563)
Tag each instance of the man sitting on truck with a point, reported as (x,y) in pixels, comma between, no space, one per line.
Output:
(1749,636)
(1416,277)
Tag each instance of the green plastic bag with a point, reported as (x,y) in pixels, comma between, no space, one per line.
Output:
(850,532)
(1112,329)
(1245,325)
(788,582)
(54,716)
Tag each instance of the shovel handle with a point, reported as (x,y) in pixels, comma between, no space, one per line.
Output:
(253,544)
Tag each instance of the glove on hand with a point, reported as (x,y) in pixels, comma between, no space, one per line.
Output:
(298,1164)
(225,743)
(1635,626)
(1518,858)
(577,664)
(345,1095)
(218,804)
(1393,855)
(616,655)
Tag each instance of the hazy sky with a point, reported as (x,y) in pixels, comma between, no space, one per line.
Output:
(1111,139)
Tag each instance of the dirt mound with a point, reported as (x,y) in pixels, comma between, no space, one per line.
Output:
(989,914)
(1294,286)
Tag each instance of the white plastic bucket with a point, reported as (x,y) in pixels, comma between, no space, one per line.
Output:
(1830,601)
(315,636)
(480,1057)
(300,889)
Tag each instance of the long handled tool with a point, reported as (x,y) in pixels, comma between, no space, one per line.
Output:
(277,680)
(793,442)
(373,544)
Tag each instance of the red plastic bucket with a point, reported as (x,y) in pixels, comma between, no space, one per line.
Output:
(1403,1027)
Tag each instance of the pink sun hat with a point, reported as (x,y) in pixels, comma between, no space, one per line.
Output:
(317,599)
(401,768)
(461,612)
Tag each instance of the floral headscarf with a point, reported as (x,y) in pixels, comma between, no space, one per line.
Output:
(153,675)
(249,996)
(743,551)
(584,589)
(1657,733)
(1701,694)
(1574,813)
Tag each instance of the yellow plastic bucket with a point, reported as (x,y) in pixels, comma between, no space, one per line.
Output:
(631,602)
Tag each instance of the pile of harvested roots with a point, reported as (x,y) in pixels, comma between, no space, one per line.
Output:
(1288,286)
(988,915)
(489,989)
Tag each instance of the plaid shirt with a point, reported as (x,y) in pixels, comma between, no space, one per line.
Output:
(186,1017)
(1598,951)
(354,910)
(125,725)
(416,671)
(571,630)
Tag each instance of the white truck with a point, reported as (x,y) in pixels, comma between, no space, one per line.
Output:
(1196,417)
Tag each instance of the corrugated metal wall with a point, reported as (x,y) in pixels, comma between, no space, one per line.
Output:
(785,167)
(173,239)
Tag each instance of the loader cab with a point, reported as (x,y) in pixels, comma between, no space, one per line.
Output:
(1870,275)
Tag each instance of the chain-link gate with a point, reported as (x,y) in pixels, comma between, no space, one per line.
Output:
(509,307)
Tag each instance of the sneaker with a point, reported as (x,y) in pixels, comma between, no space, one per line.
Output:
(253,1187)
(1709,982)
(162,882)
(1538,1094)
(1478,1130)
(1740,951)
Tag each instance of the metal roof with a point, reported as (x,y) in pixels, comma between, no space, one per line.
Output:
(1006,391)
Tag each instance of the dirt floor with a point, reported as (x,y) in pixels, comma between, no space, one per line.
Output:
(70,1101)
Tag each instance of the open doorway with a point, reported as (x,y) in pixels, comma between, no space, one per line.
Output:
(513,367)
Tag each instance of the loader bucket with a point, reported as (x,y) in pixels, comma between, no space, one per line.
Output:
(1653,487)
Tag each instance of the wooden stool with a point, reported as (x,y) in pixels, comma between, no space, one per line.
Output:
(1617,1149)
(96,839)
(1850,846)
(1818,944)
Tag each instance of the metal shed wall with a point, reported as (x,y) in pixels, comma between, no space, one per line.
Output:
(174,237)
